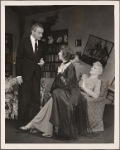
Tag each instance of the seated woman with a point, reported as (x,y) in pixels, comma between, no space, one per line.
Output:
(91,88)
(90,85)
(60,110)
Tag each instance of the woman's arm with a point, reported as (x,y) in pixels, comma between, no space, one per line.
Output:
(91,93)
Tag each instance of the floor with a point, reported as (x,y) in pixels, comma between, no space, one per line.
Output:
(13,135)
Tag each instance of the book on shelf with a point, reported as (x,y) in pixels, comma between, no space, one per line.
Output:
(50,67)
(49,74)
(110,97)
(52,58)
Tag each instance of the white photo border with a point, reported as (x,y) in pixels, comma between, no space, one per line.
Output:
(114,145)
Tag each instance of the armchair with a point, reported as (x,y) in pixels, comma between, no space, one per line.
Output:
(96,108)
(11,96)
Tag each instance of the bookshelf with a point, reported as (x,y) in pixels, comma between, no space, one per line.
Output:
(55,40)
(110,94)
(8,54)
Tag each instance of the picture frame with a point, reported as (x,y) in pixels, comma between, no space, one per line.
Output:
(97,49)
(78,42)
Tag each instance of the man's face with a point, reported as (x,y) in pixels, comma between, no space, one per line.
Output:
(37,33)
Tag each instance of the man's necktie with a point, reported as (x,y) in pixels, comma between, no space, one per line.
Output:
(36,47)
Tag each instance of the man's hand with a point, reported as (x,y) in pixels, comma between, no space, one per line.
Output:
(41,63)
(19,80)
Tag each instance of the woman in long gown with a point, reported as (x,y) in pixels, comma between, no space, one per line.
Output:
(66,94)
(91,89)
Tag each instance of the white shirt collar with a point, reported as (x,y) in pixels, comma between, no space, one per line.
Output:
(32,38)
(33,42)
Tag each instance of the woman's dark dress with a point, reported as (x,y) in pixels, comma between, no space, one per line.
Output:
(66,94)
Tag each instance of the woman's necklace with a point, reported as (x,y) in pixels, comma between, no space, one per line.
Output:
(65,62)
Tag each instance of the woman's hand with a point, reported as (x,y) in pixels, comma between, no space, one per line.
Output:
(59,70)
(84,76)
(83,84)
(88,91)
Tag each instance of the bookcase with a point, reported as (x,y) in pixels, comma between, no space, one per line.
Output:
(110,94)
(8,54)
(55,40)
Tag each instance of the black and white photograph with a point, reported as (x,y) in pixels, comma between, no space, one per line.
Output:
(59,82)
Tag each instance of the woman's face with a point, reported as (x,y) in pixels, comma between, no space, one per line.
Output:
(60,54)
(94,70)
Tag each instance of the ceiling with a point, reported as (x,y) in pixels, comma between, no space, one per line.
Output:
(31,10)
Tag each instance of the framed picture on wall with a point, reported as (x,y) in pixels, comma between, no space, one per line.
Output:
(78,42)
(97,49)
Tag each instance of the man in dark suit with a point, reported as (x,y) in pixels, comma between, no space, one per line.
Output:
(30,58)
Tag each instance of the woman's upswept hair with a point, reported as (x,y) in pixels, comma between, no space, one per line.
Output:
(68,54)
(100,66)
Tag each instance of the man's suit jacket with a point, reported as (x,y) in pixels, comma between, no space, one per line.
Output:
(27,61)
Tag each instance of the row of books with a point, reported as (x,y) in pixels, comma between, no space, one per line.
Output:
(50,67)
(110,96)
(52,58)
(49,74)
(54,48)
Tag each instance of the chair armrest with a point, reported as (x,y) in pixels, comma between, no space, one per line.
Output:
(103,93)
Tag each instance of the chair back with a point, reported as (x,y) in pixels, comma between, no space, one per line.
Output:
(104,90)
